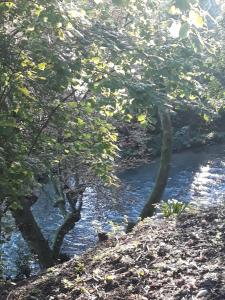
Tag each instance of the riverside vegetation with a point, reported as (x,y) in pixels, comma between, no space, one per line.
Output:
(70,72)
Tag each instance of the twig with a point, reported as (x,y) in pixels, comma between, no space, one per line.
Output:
(45,124)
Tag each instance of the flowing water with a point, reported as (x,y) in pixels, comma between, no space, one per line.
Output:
(196,176)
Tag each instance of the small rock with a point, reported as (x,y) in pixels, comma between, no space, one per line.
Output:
(202,293)
(127,260)
(201,258)
(61,297)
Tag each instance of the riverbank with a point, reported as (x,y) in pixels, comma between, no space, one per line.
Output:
(142,144)
(176,258)
(146,152)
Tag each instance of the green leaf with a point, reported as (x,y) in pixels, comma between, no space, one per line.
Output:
(71,104)
(174,10)
(95,60)
(184,30)
(30,29)
(206,118)
(56,161)
(38,10)
(141,118)
(128,117)
(113,137)
(61,34)
(196,19)
(42,66)
(103,129)
(80,122)
(10,4)
(24,91)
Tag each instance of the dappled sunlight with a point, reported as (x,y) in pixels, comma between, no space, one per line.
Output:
(106,109)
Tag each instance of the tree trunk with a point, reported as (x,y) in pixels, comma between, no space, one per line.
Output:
(32,234)
(68,225)
(164,168)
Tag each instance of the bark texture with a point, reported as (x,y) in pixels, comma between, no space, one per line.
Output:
(164,168)
(32,234)
(68,225)
(31,231)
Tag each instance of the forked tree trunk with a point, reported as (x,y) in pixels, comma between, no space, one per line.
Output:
(32,234)
(164,168)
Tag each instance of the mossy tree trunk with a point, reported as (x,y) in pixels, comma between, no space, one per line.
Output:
(164,168)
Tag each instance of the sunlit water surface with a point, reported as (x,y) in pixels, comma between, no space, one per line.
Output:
(196,176)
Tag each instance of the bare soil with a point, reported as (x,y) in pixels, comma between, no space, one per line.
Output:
(179,258)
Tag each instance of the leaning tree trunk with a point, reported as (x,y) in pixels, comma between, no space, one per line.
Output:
(68,225)
(164,168)
(32,234)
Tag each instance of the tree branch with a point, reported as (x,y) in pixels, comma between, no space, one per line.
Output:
(68,225)
(45,124)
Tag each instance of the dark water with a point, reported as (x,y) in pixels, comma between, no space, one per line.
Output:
(197,177)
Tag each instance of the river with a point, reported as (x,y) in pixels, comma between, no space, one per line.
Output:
(196,176)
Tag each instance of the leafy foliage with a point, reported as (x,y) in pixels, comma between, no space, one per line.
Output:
(68,68)
(172,207)
(47,109)
(52,122)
